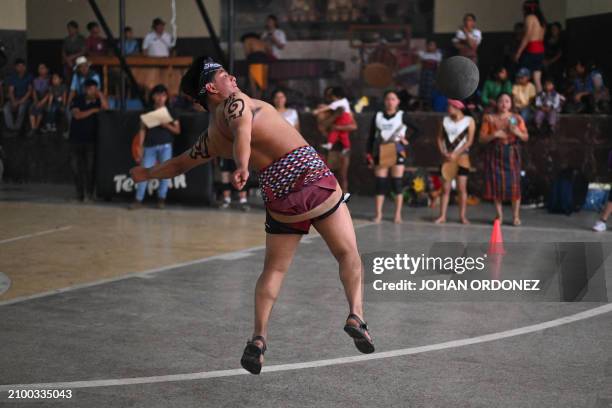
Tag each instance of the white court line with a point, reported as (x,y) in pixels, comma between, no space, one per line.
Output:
(35,234)
(146,274)
(318,363)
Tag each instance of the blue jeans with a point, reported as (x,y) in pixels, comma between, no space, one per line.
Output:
(9,120)
(153,154)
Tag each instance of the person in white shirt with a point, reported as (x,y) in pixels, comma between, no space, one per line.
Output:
(158,42)
(274,37)
(468,38)
(279,99)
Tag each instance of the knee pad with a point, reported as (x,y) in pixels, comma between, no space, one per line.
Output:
(397,185)
(226,186)
(382,185)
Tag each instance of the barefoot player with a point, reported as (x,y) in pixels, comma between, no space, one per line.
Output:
(297,187)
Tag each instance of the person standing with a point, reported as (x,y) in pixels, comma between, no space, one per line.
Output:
(530,53)
(279,99)
(95,43)
(74,46)
(82,138)
(82,74)
(430,58)
(274,37)
(157,43)
(468,38)
(454,140)
(19,93)
(386,152)
(502,131)
(156,145)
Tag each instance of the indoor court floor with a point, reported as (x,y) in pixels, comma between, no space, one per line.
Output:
(153,308)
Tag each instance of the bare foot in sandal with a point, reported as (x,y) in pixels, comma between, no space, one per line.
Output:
(358,330)
(253,355)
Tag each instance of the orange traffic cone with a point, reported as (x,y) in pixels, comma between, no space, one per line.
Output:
(496,243)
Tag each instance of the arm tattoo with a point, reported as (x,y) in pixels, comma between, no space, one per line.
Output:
(200,149)
(234,107)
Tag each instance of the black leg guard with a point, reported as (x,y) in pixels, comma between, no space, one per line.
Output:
(397,184)
(226,186)
(382,185)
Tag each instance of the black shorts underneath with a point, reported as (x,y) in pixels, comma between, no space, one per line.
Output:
(227,165)
(302,228)
(463,171)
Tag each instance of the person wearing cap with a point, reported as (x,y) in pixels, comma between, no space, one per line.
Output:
(523,94)
(156,146)
(82,73)
(157,43)
(455,137)
(298,189)
(82,139)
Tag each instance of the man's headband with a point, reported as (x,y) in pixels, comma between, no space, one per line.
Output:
(208,69)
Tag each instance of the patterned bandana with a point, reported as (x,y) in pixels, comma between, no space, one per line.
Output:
(208,69)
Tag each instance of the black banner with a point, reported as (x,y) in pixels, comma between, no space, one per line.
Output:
(114,159)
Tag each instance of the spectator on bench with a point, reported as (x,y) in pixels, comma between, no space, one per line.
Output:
(57,103)
(495,86)
(40,95)
(157,43)
(548,106)
(523,94)
(82,73)
(83,134)
(131,44)
(19,93)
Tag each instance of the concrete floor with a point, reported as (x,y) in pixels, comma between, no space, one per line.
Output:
(174,338)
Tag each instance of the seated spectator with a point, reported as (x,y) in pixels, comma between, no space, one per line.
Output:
(56,103)
(274,37)
(523,94)
(39,98)
(494,87)
(131,46)
(601,95)
(20,94)
(82,73)
(83,133)
(548,106)
(157,43)
(96,45)
(430,59)
(468,38)
(580,91)
(74,46)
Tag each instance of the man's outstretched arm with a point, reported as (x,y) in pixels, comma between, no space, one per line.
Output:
(198,154)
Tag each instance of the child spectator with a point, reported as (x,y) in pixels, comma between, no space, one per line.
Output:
(131,44)
(468,38)
(601,95)
(548,106)
(57,102)
(39,98)
(19,93)
(430,59)
(83,132)
(95,43)
(495,86)
(341,107)
(523,94)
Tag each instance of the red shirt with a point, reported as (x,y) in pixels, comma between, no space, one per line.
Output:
(95,46)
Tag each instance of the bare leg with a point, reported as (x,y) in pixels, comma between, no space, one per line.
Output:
(462,187)
(498,209)
(380,198)
(398,171)
(537,80)
(338,232)
(280,249)
(446,188)
(607,211)
(516,208)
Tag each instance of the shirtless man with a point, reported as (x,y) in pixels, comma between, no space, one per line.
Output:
(298,190)
(530,53)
